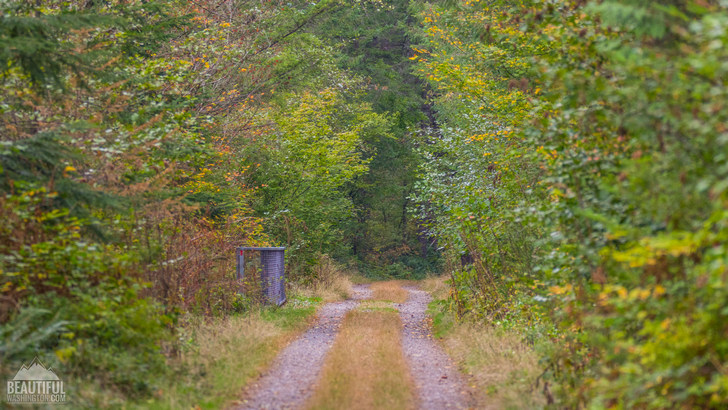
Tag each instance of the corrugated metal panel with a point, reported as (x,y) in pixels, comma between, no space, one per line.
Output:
(272,274)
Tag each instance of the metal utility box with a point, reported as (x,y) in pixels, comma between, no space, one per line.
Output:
(272,269)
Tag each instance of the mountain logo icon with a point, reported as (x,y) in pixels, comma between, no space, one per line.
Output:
(35,383)
(35,371)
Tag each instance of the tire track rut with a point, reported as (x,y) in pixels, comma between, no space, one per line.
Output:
(291,379)
(439,383)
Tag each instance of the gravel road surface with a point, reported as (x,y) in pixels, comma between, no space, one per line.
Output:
(292,378)
(439,383)
(290,381)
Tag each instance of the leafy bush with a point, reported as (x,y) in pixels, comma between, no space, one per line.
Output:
(98,321)
(580,166)
(141,142)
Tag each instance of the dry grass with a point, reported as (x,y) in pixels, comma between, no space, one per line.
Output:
(369,305)
(436,286)
(334,290)
(389,291)
(224,355)
(365,368)
(219,358)
(331,285)
(502,365)
(356,277)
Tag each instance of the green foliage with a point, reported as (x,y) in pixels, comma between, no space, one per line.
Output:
(142,141)
(39,38)
(99,322)
(584,170)
(317,148)
(373,42)
(442,319)
(97,143)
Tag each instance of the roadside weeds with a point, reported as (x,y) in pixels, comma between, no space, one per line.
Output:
(501,366)
(220,357)
(223,355)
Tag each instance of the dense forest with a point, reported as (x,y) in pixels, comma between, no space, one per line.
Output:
(563,163)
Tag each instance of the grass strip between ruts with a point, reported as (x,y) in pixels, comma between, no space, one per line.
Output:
(366,368)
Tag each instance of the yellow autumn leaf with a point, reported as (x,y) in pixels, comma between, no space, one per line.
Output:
(643,294)
(622,292)
(556,290)
(665,324)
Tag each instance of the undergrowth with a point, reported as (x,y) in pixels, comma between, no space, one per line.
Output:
(501,365)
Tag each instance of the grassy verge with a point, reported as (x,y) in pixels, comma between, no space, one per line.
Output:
(365,368)
(213,359)
(220,357)
(333,282)
(503,368)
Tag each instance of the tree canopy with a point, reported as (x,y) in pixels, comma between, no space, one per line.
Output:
(564,162)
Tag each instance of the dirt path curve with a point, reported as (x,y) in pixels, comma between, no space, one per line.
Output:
(439,384)
(290,381)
